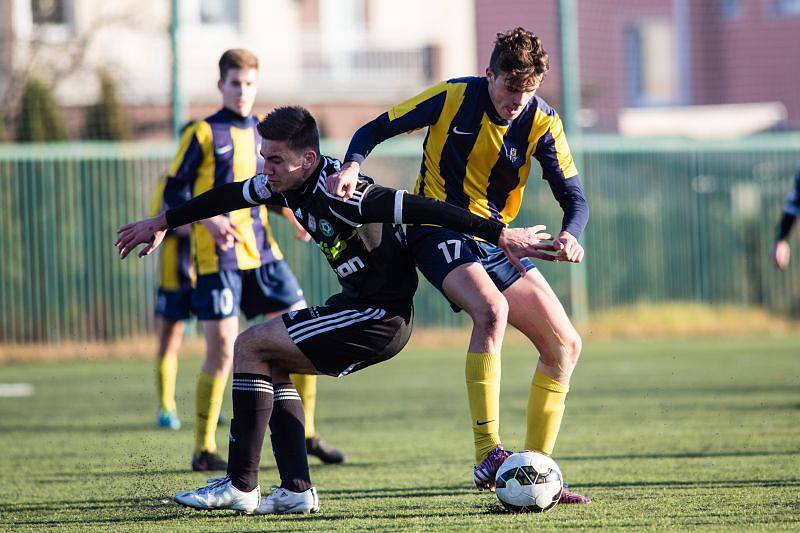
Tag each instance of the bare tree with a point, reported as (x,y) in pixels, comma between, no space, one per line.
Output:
(51,62)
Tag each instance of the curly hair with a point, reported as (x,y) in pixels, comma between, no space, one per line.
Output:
(519,55)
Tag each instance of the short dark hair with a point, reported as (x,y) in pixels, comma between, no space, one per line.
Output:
(519,55)
(294,125)
(236,58)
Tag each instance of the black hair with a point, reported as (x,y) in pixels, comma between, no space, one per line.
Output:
(294,125)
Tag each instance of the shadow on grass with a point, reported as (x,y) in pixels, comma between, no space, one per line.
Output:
(726,483)
(135,509)
(682,455)
(102,428)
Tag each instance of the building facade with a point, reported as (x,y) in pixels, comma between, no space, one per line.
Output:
(661,53)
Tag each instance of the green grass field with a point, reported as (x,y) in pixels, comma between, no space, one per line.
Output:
(683,434)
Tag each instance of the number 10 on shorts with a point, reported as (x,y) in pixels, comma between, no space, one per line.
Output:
(444,246)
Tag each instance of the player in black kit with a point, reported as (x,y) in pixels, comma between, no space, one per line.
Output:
(368,322)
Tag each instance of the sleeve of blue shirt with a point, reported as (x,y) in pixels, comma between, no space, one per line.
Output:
(371,134)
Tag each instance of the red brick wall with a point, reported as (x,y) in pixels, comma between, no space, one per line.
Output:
(755,58)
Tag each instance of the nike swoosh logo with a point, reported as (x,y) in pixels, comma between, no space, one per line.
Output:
(455,130)
(478,422)
(223,149)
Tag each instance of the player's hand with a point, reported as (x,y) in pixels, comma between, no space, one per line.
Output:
(568,248)
(224,232)
(781,253)
(526,242)
(148,231)
(343,183)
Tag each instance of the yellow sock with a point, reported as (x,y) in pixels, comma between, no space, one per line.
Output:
(545,411)
(207,407)
(483,391)
(167,373)
(306,385)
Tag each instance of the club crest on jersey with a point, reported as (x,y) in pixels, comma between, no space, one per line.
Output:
(292,314)
(312,222)
(512,155)
(325,227)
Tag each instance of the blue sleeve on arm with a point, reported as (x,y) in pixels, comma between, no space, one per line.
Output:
(178,188)
(569,194)
(376,131)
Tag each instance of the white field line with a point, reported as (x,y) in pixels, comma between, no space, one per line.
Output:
(15,390)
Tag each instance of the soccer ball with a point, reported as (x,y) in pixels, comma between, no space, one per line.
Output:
(529,482)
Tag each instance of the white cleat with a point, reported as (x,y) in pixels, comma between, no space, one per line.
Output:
(283,501)
(220,494)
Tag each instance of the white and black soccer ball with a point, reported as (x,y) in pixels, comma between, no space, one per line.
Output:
(529,482)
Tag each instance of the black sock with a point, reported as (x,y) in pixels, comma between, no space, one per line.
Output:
(287,426)
(252,406)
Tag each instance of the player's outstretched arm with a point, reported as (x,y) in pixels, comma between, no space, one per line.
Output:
(382,204)
(150,231)
(781,251)
(415,113)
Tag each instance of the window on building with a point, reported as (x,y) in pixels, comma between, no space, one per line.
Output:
(54,12)
(219,12)
(730,9)
(788,7)
(653,63)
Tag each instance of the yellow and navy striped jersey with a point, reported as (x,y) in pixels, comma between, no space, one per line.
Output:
(476,160)
(175,268)
(222,148)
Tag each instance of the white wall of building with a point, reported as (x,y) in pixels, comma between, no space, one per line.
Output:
(130,39)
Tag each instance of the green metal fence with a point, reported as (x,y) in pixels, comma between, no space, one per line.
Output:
(671,220)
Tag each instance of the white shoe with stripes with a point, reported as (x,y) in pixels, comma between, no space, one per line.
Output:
(283,501)
(220,494)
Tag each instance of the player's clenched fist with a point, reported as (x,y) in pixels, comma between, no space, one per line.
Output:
(343,183)
(568,248)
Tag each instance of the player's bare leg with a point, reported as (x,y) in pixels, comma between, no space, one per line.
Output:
(220,336)
(470,287)
(535,310)
(169,342)
(306,385)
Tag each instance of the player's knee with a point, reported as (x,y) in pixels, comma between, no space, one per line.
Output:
(244,348)
(571,349)
(492,314)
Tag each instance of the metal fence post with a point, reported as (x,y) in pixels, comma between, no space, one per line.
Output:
(570,80)
(178,110)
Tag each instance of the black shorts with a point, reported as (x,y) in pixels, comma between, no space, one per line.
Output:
(339,338)
(438,251)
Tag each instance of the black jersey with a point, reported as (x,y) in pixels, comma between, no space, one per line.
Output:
(371,260)
(361,237)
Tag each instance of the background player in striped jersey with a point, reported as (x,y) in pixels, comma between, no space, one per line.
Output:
(482,135)
(176,276)
(367,323)
(791,210)
(239,264)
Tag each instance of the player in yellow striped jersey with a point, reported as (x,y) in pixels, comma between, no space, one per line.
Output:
(483,134)
(239,265)
(176,276)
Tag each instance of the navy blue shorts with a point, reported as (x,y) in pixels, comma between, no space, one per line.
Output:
(438,251)
(174,305)
(271,287)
